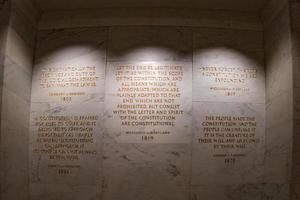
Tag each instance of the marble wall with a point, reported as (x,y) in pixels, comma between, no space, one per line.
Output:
(74,101)
(217,86)
(150,169)
(219,96)
(183,109)
(150,16)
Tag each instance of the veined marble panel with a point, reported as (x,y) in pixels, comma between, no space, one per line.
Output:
(147,171)
(149,102)
(65,143)
(228,145)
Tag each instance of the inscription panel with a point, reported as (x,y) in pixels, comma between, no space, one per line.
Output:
(226,76)
(68,82)
(67,106)
(65,142)
(149,102)
(145,102)
(228,66)
(228,142)
(70,66)
(228,107)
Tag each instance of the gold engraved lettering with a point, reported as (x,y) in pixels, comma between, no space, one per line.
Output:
(148,97)
(231,81)
(225,133)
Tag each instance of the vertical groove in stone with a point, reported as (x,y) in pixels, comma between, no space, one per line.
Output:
(279,96)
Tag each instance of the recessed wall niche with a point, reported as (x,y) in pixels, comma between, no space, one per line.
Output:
(131,103)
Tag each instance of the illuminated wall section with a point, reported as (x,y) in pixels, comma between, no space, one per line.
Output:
(141,112)
(149,161)
(66,111)
(228,113)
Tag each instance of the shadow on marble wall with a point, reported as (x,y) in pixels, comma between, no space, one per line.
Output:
(15,105)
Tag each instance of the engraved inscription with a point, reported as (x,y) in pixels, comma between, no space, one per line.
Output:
(226,133)
(64,77)
(67,138)
(148,100)
(230,81)
(229,142)
(68,83)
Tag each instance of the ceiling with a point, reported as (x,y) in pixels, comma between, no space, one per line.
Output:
(231,5)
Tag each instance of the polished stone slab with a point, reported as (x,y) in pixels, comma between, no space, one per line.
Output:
(148,171)
(67,107)
(65,143)
(146,104)
(228,66)
(228,146)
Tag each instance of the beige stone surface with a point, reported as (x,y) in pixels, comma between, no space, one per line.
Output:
(228,66)
(227,157)
(174,167)
(68,82)
(82,167)
(150,171)
(179,130)
(164,168)
(17,58)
